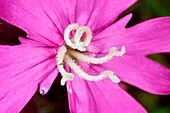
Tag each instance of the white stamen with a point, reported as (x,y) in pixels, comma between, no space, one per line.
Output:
(86,76)
(76,42)
(85,58)
(66,77)
(67,35)
(79,35)
(118,53)
(111,75)
(60,58)
(68,55)
(60,55)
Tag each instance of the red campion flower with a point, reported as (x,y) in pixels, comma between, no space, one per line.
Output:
(81,40)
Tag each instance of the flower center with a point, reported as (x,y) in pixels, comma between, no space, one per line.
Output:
(77,38)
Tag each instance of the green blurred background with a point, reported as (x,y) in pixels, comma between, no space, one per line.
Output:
(56,99)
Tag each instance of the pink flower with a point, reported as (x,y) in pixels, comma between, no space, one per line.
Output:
(100,54)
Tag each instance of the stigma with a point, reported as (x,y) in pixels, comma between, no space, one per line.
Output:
(77,39)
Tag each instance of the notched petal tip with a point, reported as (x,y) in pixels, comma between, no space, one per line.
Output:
(43,91)
(124,21)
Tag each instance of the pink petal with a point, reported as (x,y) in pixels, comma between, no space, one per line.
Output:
(142,73)
(149,37)
(99,14)
(100,97)
(114,30)
(33,17)
(20,57)
(45,21)
(22,68)
(46,84)
(145,38)
(100,41)
(30,42)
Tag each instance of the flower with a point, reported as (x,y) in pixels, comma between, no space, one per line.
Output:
(81,40)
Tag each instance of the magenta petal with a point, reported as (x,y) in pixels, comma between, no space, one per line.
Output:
(30,42)
(113,30)
(146,38)
(98,14)
(24,69)
(33,17)
(149,37)
(100,97)
(142,73)
(22,58)
(44,85)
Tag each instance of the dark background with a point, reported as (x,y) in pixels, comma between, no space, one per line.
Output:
(56,99)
